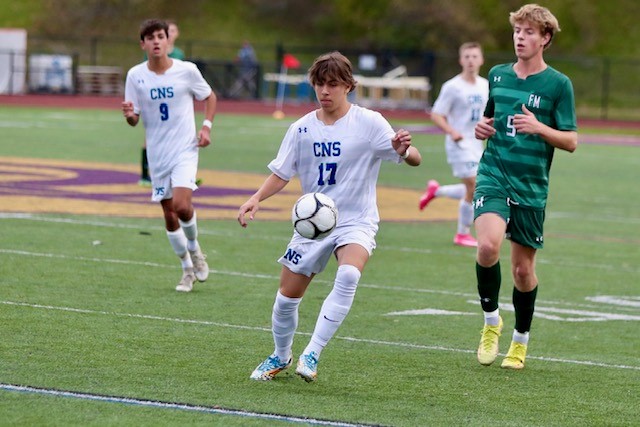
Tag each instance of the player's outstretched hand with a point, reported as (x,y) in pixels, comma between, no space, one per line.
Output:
(249,207)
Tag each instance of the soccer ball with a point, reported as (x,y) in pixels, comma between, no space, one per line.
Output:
(314,216)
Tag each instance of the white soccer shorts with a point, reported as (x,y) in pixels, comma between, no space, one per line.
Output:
(183,174)
(304,256)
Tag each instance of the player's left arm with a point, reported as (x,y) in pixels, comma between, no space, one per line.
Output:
(401,142)
(210,104)
(528,123)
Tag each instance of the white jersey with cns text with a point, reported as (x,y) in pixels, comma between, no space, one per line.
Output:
(462,103)
(340,160)
(165,104)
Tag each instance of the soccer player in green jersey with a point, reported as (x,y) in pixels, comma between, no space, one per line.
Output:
(530,113)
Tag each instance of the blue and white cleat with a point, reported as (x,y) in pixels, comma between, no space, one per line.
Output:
(308,366)
(271,367)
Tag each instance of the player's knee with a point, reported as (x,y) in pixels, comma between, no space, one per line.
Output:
(522,272)
(183,211)
(284,305)
(488,253)
(171,221)
(347,278)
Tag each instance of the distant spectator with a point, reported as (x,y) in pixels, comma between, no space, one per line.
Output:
(247,57)
(248,67)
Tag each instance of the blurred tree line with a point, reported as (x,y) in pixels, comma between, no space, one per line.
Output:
(589,27)
(597,46)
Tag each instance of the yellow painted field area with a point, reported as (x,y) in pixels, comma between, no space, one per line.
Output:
(71,187)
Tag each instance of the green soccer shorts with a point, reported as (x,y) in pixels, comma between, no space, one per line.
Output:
(524,226)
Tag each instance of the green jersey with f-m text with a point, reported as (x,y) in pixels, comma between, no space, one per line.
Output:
(516,164)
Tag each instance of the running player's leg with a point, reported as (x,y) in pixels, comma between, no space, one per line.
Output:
(491,225)
(284,322)
(466,172)
(183,179)
(526,234)
(178,242)
(352,258)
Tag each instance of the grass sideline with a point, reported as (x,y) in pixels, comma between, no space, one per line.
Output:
(103,319)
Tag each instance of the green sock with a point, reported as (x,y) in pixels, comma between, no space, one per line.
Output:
(524,304)
(144,166)
(489,279)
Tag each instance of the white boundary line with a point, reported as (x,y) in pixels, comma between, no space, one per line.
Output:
(173,405)
(350,339)
(541,259)
(277,278)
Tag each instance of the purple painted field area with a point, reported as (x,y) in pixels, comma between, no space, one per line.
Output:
(100,185)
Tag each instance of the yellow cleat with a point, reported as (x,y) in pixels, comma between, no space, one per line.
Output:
(488,349)
(515,357)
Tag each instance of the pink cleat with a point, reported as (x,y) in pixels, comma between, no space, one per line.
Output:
(429,194)
(466,240)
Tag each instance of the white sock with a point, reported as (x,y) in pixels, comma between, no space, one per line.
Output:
(335,308)
(284,321)
(191,232)
(453,191)
(522,338)
(492,318)
(179,244)
(465,217)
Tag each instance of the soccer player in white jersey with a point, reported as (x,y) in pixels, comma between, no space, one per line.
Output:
(336,150)
(174,52)
(457,109)
(161,90)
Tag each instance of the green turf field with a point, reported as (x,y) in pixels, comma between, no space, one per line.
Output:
(88,307)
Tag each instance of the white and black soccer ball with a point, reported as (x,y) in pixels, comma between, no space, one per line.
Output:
(314,216)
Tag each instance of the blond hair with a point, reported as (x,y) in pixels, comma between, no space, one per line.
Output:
(469,45)
(539,16)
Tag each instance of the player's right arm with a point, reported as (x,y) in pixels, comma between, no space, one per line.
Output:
(272,185)
(484,128)
(129,114)
(441,121)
